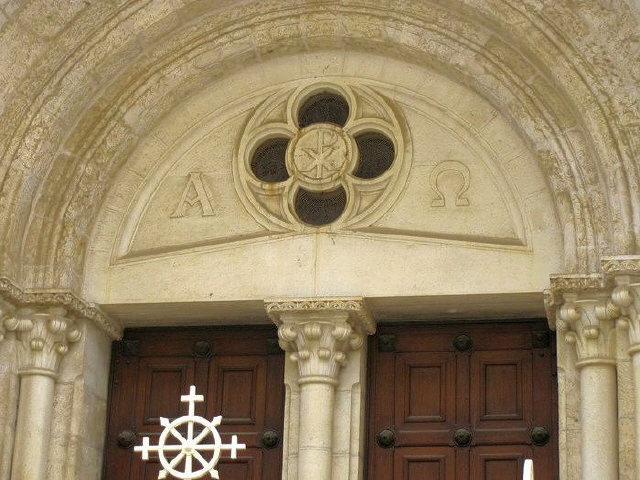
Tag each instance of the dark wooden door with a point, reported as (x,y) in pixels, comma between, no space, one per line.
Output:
(461,402)
(240,374)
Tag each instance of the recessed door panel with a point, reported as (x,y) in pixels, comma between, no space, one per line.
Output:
(501,389)
(426,403)
(499,462)
(418,463)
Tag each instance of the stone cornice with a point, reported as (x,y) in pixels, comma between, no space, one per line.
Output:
(19,298)
(355,306)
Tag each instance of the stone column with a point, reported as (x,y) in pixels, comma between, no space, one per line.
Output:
(625,271)
(39,328)
(587,320)
(320,334)
(43,335)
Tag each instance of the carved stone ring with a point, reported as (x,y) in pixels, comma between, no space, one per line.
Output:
(337,158)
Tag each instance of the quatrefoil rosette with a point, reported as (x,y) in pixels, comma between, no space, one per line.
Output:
(328,156)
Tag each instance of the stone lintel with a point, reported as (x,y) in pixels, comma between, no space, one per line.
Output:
(14,298)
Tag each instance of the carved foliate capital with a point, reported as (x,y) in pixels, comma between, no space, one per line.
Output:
(588,321)
(625,272)
(41,298)
(318,333)
(6,310)
(572,284)
(43,335)
(626,295)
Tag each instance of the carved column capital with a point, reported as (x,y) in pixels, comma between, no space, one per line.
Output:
(42,298)
(44,323)
(588,322)
(318,333)
(585,315)
(625,271)
(6,310)
(44,335)
(626,295)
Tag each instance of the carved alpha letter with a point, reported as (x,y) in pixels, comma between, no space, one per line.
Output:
(194,192)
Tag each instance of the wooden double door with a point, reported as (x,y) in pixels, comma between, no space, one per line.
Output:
(238,371)
(459,402)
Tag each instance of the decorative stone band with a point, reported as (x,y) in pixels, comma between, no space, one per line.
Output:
(320,332)
(40,299)
(621,265)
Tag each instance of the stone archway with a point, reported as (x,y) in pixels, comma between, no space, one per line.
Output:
(100,97)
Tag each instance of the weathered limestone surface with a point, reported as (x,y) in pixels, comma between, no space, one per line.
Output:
(87,92)
(127,130)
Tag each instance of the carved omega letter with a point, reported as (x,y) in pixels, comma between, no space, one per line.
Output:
(444,191)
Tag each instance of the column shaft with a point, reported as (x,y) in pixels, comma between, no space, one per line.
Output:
(599,422)
(587,319)
(316,431)
(320,334)
(33,427)
(635,359)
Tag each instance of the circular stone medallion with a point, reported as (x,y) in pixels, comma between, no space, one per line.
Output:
(321,154)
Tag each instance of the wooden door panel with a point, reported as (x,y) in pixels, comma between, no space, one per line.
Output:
(501,396)
(242,468)
(418,463)
(426,402)
(499,462)
(498,386)
(151,469)
(237,390)
(161,383)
